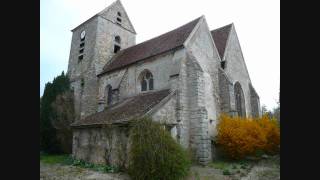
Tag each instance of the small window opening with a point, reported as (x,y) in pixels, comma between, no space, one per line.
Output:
(116,48)
(82,44)
(117,39)
(81,51)
(109,100)
(211,121)
(80,57)
(223,63)
(119,18)
(82,39)
(82,82)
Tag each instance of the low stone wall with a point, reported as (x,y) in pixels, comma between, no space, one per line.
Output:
(103,145)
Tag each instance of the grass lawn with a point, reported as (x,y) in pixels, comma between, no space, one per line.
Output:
(66,159)
(56,159)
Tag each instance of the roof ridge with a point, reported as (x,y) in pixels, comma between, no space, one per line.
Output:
(197,19)
(221,27)
(161,34)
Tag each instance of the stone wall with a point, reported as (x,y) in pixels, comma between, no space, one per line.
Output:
(165,113)
(201,106)
(235,67)
(76,68)
(201,45)
(106,145)
(224,92)
(183,125)
(82,72)
(255,102)
(162,68)
(197,112)
(106,33)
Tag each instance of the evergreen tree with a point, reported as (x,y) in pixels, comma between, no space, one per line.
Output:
(48,137)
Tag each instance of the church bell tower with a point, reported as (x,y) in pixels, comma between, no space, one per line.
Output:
(93,44)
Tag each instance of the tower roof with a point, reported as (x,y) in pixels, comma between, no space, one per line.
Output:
(104,14)
(220,37)
(163,43)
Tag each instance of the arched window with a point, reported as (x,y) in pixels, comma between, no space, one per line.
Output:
(108,94)
(119,14)
(146,80)
(239,97)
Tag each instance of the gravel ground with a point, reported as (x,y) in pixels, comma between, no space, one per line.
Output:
(267,169)
(63,172)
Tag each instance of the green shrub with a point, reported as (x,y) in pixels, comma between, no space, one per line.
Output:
(95,167)
(226,172)
(154,154)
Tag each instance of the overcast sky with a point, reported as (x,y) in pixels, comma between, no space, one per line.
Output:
(257,23)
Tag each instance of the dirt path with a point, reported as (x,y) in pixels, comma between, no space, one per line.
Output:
(265,170)
(206,173)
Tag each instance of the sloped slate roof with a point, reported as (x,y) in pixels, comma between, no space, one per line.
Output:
(152,47)
(125,110)
(220,37)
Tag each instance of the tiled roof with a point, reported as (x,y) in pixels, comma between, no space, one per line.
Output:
(125,110)
(220,37)
(152,47)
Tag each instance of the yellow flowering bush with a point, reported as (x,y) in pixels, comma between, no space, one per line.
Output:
(241,136)
(272,133)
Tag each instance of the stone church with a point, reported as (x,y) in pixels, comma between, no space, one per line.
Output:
(183,79)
